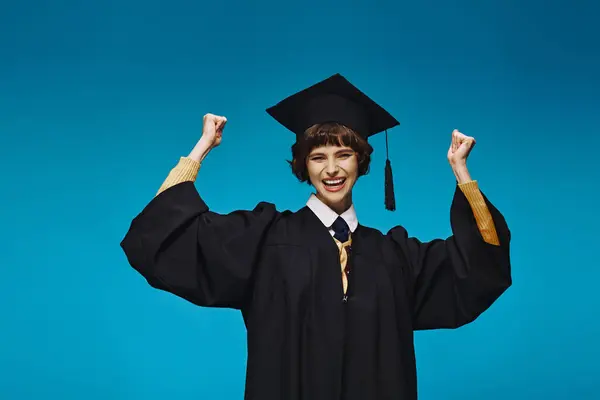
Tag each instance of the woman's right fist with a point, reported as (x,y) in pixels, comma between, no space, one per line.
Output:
(212,129)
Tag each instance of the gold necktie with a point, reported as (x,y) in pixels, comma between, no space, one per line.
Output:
(343,254)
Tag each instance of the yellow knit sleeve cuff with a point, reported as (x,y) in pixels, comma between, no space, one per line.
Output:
(186,170)
(470,189)
(484,219)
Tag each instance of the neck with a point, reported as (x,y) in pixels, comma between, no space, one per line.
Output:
(339,207)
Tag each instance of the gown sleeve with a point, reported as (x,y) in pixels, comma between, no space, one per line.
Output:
(178,245)
(452,281)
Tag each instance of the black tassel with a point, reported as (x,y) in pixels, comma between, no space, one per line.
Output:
(390,198)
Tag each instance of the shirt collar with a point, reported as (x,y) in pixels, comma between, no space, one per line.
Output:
(328,216)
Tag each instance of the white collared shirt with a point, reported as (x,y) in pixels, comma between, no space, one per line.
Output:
(328,216)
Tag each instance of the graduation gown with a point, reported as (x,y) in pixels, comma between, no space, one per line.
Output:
(281,269)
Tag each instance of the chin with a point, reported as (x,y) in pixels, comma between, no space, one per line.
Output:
(336,198)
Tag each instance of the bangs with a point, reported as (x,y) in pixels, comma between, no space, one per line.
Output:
(330,134)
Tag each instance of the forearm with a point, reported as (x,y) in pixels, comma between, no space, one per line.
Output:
(187,168)
(200,151)
(485,222)
(482,215)
(461,172)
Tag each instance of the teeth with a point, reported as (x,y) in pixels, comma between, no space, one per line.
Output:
(333,181)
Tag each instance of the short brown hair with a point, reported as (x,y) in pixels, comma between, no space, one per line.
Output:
(328,134)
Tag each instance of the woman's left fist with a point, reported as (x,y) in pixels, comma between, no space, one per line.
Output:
(460,148)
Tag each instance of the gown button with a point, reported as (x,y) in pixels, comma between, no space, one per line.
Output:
(345,299)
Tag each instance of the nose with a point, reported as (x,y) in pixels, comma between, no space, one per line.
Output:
(332,167)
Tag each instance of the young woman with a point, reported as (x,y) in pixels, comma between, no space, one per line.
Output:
(330,305)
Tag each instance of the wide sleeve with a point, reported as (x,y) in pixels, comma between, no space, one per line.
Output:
(178,245)
(451,282)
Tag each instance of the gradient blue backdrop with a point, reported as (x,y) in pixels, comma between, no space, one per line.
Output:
(98,102)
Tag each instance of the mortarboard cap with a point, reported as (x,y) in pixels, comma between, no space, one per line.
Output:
(335,99)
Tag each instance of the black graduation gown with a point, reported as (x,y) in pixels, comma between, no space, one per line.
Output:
(282,270)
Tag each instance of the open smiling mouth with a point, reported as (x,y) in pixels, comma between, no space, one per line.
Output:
(333,185)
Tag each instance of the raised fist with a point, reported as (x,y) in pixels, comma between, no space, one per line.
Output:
(212,129)
(460,148)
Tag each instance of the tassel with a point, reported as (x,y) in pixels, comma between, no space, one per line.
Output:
(390,199)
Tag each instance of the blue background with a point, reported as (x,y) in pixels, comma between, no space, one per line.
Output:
(98,102)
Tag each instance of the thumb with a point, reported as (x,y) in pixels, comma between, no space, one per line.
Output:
(220,123)
(466,146)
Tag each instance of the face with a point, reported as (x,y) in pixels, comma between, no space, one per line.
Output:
(333,170)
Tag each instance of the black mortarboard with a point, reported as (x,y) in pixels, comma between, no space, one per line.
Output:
(335,99)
